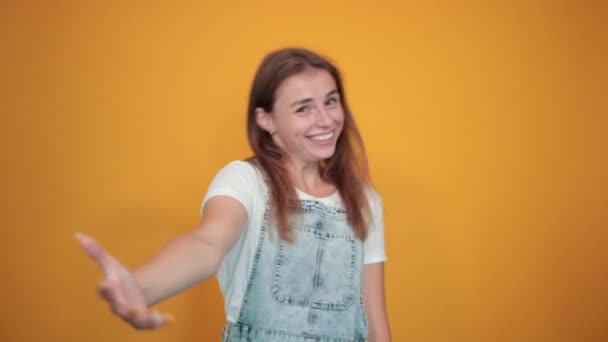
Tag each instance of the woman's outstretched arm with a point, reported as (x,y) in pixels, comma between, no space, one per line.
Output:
(186,260)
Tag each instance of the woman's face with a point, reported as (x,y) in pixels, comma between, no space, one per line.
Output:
(307,116)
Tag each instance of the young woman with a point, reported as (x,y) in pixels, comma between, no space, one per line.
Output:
(294,234)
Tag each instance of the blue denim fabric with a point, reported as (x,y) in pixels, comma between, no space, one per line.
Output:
(308,289)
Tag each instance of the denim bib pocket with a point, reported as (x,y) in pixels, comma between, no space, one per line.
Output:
(319,276)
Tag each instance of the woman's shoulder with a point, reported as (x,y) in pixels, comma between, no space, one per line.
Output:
(372,194)
(241,165)
(374,199)
(246,169)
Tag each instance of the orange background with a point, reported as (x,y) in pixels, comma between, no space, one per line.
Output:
(486,128)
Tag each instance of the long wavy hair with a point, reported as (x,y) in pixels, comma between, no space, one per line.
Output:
(347,169)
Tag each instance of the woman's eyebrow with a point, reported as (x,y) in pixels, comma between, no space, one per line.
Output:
(303,101)
(306,100)
(333,92)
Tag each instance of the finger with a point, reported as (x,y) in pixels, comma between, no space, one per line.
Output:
(104,290)
(95,251)
(134,313)
(152,320)
(121,310)
(108,289)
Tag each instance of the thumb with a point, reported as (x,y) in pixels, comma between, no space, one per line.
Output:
(95,251)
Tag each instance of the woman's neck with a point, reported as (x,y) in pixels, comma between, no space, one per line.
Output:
(307,178)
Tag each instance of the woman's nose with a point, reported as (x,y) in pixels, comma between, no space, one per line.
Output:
(324,117)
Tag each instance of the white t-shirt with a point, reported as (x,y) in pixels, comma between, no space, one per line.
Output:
(244,182)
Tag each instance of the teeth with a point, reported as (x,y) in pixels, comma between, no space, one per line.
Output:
(323,136)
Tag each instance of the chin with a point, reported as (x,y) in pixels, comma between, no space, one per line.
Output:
(323,156)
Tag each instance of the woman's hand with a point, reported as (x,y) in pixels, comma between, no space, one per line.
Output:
(120,289)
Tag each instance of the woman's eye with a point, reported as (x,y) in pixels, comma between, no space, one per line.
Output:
(303,109)
(331,100)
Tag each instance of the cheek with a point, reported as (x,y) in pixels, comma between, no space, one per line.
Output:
(299,126)
(339,116)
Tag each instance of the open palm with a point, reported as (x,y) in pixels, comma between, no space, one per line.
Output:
(120,289)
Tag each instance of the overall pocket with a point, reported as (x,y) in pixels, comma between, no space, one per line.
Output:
(315,270)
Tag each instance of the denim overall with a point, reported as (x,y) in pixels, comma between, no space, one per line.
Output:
(308,289)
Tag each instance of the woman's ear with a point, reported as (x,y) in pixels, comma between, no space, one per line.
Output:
(264,120)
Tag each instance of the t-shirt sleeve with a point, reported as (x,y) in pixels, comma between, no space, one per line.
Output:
(374,244)
(237,179)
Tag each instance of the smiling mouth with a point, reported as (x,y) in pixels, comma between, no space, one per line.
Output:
(322,137)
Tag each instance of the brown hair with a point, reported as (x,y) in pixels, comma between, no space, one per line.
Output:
(347,169)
